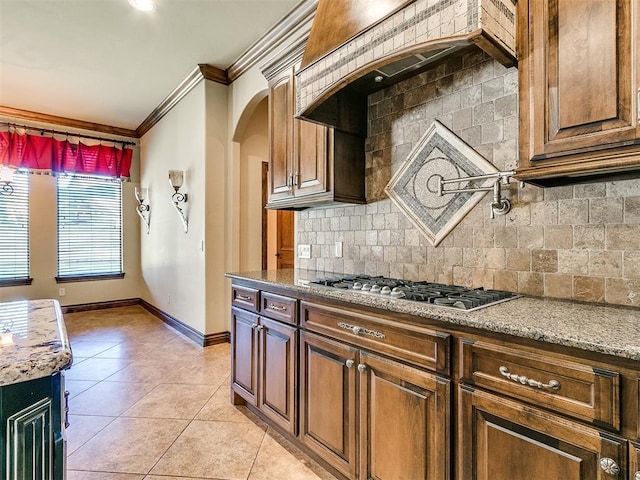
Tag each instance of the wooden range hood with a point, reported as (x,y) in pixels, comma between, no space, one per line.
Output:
(356,47)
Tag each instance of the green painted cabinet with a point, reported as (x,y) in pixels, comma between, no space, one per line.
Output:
(33,417)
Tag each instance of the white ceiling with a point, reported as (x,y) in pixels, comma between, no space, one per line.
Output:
(101,61)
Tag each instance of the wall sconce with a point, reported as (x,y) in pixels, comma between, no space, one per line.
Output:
(143,208)
(6,176)
(176,177)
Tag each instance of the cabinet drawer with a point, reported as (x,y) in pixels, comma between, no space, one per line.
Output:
(418,345)
(245,297)
(279,308)
(578,390)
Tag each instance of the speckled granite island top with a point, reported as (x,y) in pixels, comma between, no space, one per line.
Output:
(38,346)
(605,329)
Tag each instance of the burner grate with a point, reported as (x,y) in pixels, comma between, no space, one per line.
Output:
(439,294)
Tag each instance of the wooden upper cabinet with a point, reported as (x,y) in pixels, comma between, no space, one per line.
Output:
(311,157)
(310,164)
(578,74)
(280,136)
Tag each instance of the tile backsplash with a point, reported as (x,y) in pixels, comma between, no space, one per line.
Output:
(579,242)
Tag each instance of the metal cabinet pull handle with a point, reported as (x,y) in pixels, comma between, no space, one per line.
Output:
(349,363)
(638,120)
(609,466)
(357,330)
(362,367)
(66,409)
(552,385)
(296,179)
(243,297)
(254,325)
(277,308)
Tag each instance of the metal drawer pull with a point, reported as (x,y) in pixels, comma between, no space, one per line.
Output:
(243,297)
(66,409)
(609,466)
(552,385)
(362,367)
(357,330)
(349,363)
(277,308)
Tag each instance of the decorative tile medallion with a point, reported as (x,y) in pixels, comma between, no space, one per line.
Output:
(414,187)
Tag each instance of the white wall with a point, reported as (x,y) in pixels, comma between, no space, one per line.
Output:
(173,267)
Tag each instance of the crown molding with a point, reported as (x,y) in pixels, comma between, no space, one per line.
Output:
(215,74)
(296,24)
(66,122)
(202,71)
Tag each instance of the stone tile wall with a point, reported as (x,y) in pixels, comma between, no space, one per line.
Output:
(580,242)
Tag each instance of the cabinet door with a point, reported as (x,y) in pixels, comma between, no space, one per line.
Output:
(404,421)
(582,73)
(328,400)
(277,369)
(634,461)
(30,443)
(280,137)
(244,358)
(499,439)
(311,158)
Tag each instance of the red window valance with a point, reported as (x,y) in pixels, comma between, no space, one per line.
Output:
(35,152)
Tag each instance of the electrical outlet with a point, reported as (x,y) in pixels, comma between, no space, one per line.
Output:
(62,292)
(304,251)
(338,248)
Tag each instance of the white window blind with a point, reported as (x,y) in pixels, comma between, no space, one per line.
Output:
(89,227)
(14,232)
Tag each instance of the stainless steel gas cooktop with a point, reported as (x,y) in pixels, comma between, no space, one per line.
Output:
(449,296)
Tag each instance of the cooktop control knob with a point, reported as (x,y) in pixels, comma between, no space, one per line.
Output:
(385,290)
(357,285)
(397,292)
(375,288)
(366,287)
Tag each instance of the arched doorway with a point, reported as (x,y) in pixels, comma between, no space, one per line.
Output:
(266,237)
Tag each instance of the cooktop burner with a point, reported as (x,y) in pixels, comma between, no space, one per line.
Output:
(450,296)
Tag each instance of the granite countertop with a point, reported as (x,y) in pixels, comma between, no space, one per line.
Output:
(39,346)
(610,330)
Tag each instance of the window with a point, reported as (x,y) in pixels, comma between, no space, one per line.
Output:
(89,228)
(14,232)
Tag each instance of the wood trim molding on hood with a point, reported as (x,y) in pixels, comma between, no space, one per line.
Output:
(332,89)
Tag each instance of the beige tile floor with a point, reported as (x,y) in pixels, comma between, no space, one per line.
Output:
(147,403)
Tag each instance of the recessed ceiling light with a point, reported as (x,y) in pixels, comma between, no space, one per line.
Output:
(142,5)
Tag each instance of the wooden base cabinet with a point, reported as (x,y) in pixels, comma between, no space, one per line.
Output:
(244,360)
(499,439)
(264,367)
(403,419)
(328,392)
(634,461)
